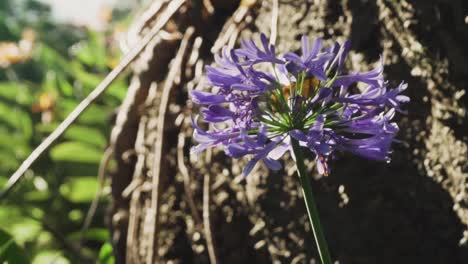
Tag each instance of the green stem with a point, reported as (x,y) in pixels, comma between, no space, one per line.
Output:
(312,211)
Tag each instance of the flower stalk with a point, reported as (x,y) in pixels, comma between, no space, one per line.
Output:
(311,208)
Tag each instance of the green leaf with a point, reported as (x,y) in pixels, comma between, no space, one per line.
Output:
(25,229)
(94,115)
(89,80)
(118,89)
(86,135)
(15,92)
(50,82)
(65,87)
(93,52)
(14,146)
(17,119)
(80,189)
(3,181)
(94,234)
(73,151)
(8,163)
(106,255)
(55,257)
(10,251)
(79,133)
(50,58)
(37,196)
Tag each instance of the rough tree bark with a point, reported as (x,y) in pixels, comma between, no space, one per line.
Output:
(170,207)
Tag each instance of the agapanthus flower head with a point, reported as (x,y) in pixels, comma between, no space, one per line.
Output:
(261,101)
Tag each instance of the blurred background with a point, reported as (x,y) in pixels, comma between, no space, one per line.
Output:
(55,52)
(52,54)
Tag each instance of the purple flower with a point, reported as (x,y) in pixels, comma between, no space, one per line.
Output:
(216,113)
(253,54)
(373,77)
(306,97)
(312,61)
(205,98)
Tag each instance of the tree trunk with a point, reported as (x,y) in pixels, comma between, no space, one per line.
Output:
(170,207)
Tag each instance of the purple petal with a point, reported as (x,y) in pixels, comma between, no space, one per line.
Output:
(205,98)
(249,167)
(216,113)
(298,135)
(278,152)
(236,151)
(272,164)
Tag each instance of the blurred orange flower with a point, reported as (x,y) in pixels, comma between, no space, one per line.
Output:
(11,52)
(45,105)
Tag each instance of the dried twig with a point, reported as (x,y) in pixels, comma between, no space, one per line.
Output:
(158,146)
(207,219)
(138,178)
(141,21)
(106,158)
(210,241)
(185,174)
(232,27)
(137,175)
(70,119)
(208,6)
(274,22)
(73,248)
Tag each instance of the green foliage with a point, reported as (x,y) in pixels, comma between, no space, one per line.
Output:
(105,255)
(50,256)
(50,204)
(75,151)
(78,133)
(10,251)
(94,234)
(79,189)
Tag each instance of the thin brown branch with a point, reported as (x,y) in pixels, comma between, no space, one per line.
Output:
(274,22)
(64,243)
(138,178)
(210,241)
(101,180)
(186,176)
(158,146)
(233,25)
(132,232)
(208,6)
